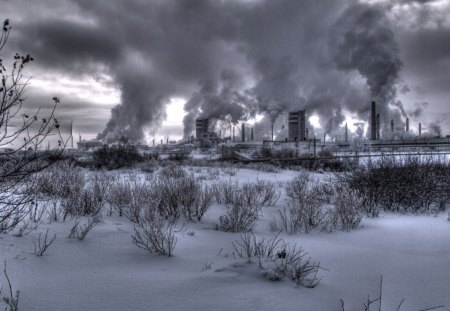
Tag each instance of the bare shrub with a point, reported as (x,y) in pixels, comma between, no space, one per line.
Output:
(205,200)
(407,184)
(269,195)
(155,236)
(224,191)
(42,245)
(231,171)
(373,302)
(348,207)
(63,179)
(88,202)
(306,210)
(120,196)
(12,300)
(240,217)
(80,231)
(278,259)
(188,191)
(172,170)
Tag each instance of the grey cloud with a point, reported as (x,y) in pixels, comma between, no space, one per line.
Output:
(233,59)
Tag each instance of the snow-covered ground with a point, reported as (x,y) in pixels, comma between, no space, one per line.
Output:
(107,272)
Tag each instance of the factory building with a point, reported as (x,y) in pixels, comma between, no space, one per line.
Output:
(297,125)
(201,127)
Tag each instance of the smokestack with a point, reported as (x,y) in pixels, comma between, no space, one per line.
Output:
(233,134)
(392,126)
(161,141)
(251,134)
(306,133)
(243,132)
(377,126)
(373,122)
(407,125)
(272,131)
(167,140)
(346,132)
(324,136)
(153,142)
(420,129)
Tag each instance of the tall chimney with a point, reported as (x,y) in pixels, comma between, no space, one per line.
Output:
(392,126)
(346,132)
(153,142)
(373,122)
(420,129)
(272,131)
(407,125)
(378,136)
(243,132)
(233,134)
(251,134)
(306,133)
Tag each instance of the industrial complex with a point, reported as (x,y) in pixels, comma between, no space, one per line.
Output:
(298,144)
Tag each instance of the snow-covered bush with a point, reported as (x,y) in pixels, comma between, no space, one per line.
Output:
(348,207)
(224,191)
(173,170)
(120,195)
(278,259)
(88,202)
(401,184)
(155,235)
(240,217)
(80,231)
(41,245)
(63,179)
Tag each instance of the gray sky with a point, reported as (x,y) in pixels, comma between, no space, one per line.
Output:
(233,60)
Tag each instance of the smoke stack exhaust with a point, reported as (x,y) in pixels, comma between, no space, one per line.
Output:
(251,134)
(420,129)
(392,126)
(373,122)
(407,125)
(243,132)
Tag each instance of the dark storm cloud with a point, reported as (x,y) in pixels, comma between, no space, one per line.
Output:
(232,59)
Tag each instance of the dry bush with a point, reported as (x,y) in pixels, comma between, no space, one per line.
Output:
(205,200)
(348,206)
(120,195)
(155,235)
(63,179)
(12,300)
(306,206)
(240,217)
(172,170)
(224,191)
(407,184)
(42,245)
(88,202)
(268,193)
(142,198)
(80,231)
(278,259)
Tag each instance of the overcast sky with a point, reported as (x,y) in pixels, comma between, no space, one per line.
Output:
(118,65)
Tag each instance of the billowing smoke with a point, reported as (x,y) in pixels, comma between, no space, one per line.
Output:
(434,129)
(229,59)
(363,41)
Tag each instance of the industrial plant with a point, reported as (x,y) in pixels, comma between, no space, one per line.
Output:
(297,142)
